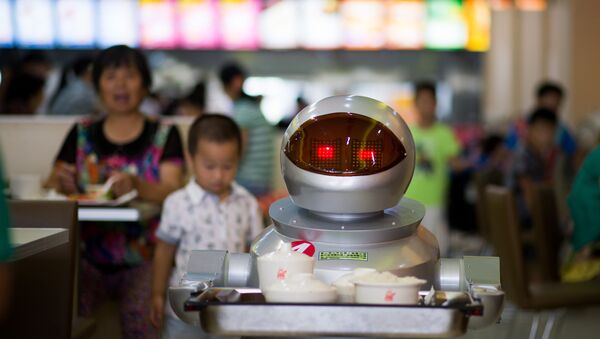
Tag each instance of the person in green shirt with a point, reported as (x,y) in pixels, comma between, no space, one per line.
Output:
(437,152)
(256,167)
(5,249)
(584,203)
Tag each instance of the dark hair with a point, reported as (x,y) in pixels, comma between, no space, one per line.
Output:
(549,87)
(35,57)
(213,127)
(542,115)
(198,95)
(121,55)
(230,71)
(425,86)
(23,86)
(490,143)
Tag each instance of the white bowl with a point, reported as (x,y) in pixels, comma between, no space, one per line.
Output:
(282,263)
(300,288)
(344,285)
(386,288)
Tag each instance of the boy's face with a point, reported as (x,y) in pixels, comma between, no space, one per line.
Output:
(550,101)
(426,104)
(215,165)
(541,135)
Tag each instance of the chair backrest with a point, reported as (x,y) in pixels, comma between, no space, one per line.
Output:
(483,179)
(546,231)
(505,231)
(53,214)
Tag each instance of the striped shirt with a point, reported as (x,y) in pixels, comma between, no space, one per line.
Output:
(256,168)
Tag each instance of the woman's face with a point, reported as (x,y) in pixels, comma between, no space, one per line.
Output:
(121,89)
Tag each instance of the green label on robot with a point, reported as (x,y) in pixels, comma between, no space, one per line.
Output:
(344,255)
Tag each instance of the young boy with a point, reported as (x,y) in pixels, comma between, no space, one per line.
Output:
(211,212)
(437,152)
(535,160)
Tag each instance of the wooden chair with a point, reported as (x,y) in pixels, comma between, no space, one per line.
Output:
(483,179)
(57,214)
(546,231)
(504,228)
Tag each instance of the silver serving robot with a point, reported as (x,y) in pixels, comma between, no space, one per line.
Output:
(346,162)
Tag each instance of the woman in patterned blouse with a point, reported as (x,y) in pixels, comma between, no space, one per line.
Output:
(136,154)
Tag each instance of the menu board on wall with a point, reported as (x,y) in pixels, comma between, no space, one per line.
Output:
(75,23)
(239,24)
(406,24)
(118,23)
(321,25)
(446,27)
(197,24)
(363,24)
(6,30)
(279,25)
(479,25)
(34,24)
(253,24)
(157,24)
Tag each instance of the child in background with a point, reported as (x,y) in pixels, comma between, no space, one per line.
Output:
(211,212)
(438,152)
(535,160)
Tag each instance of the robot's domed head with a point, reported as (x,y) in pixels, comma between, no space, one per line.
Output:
(347,154)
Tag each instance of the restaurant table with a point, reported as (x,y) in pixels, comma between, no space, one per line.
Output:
(40,300)
(132,212)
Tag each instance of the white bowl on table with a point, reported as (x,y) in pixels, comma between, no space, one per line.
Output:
(281,264)
(344,285)
(386,288)
(300,288)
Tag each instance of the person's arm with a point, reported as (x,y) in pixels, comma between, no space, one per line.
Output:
(245,138)
(171,178)
(171,173)
(63,177)
(164,255)
(526,186)
(452,148)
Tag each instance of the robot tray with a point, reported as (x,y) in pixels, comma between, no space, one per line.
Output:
(230,311)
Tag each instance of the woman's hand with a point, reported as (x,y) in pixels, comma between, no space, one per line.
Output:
(66,178)
(123,183)
(157,311)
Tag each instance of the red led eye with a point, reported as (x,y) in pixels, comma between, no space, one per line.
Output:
(325,152)
(366,155)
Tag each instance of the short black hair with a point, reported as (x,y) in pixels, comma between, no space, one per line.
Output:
(490,143)
(542,115)
(213,127)
(23,86)
(549,87)
(121,55)
(229,71)
(425,86)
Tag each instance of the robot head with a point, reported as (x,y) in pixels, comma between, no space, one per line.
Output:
(347,154)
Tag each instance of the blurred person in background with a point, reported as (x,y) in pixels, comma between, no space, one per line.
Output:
(24,94)
(192,105)
(548,95)
(135,153)
(256,166)
(75,94)
(584,205)
(438,152)
(534,160)
(25,84)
